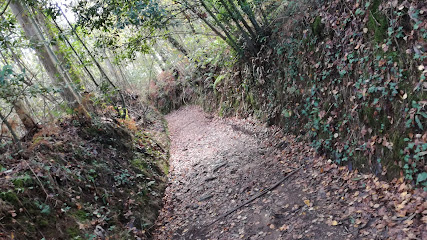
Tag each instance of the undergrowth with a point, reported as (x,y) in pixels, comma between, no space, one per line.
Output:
(75,180)
(349,76)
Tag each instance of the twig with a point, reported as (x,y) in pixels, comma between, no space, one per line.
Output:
(349,10)
(373,17)
(255,197)
(401,219)
(4,10)
(35,175)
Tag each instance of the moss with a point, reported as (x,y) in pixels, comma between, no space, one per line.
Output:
(80,215)
(42,223)
(222,110)
(317,26)
(139,163)
(377,22)
(22,181)
(9,196)
(164,166)
(394,155)
(37,140)
(73,232)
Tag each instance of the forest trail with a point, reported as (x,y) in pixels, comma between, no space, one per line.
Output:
(217,164)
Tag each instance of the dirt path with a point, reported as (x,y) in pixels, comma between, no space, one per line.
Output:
(217,164)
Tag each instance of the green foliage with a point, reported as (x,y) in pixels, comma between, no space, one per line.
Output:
(44,208)
(377,22)
(218,80)
(356,100)
(108,14)
(11,83)
(317,26)
(93,172)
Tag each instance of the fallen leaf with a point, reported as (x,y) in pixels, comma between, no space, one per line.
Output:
(284,227)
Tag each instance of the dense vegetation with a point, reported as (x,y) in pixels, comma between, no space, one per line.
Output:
(350,78)
(76,80)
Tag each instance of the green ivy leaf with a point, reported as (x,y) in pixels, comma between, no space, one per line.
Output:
(421,177)
(417,120)
(408,123)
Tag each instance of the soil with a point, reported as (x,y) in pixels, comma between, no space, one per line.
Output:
(102,179)
(218,164)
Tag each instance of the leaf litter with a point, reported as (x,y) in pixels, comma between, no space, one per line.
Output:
(321,201)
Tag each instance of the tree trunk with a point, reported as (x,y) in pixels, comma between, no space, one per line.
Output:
(44,54)
(12,132)
(242,19)
(122,74)
(24,115)
(158,60)
(163,56)
(70,72)
(246,36)
(20,108)
(101,70)
(229,38)
(244,5)
(177,45)
(110,65)
(75,53)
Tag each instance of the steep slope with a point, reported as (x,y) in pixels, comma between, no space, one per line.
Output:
(74,180)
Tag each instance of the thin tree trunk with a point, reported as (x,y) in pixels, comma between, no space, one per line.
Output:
(29,82)
(227,23)
(213,28)
(264,16)
(20,108)
(118,68)
(125,79)
(44,53)
(98,66)
(250,15)
(163,57)
(12,132)
(24,115)
(158,61)
(70,71)
(110,65)
(242,19)
(244,33)
(177,45)
(77,55)
(229,37)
